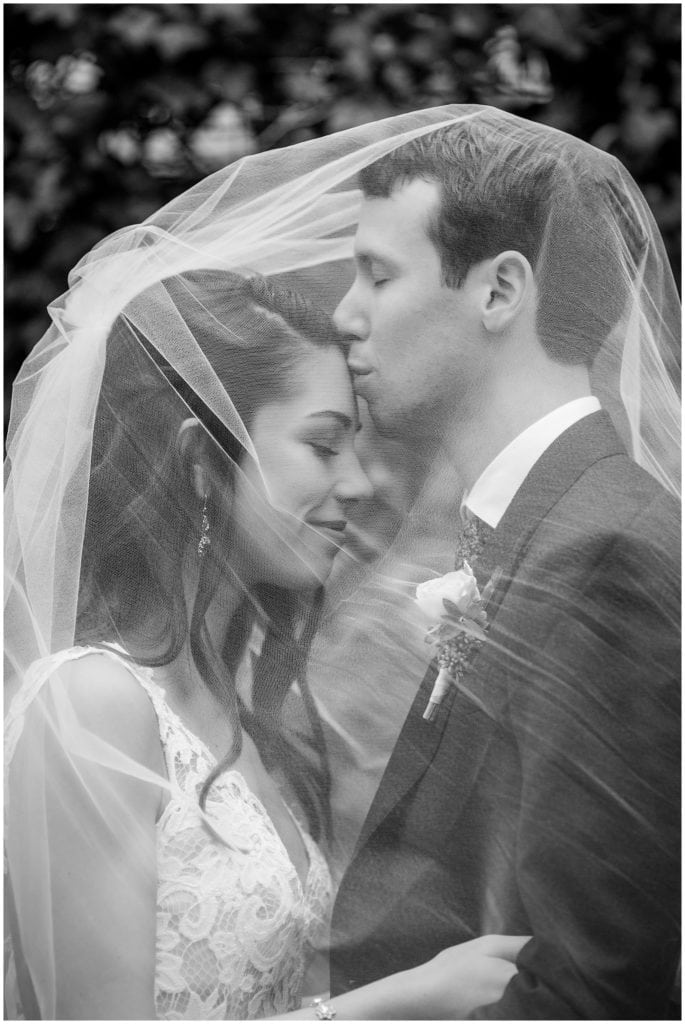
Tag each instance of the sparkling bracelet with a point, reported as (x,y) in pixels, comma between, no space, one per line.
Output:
(323,1010)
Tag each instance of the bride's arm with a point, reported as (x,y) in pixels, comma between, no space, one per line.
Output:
(448,987)
(101,844)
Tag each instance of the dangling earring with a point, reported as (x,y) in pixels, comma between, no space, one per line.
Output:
(205,540)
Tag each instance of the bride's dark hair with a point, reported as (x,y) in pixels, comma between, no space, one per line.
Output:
(143,512)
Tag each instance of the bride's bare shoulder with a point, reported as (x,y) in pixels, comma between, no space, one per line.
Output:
(108,699)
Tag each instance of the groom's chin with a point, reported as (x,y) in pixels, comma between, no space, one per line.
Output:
(386,422)
(402,426)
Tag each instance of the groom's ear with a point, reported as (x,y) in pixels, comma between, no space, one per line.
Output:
(507,286)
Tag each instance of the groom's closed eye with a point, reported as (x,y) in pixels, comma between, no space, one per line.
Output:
(380,272)
(376,269)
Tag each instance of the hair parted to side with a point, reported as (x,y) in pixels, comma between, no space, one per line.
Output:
(506,184)
(143,513)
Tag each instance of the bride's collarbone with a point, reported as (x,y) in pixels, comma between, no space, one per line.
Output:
(204,716)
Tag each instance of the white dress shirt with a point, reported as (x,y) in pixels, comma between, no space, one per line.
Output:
(500,480)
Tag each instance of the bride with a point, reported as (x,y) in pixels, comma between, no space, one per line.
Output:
(181,469)
(182,552)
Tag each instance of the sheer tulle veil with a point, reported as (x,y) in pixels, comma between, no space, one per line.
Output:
(288,215)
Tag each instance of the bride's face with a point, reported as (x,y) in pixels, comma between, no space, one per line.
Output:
(290,513)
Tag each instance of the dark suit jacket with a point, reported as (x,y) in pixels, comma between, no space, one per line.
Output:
(544,799)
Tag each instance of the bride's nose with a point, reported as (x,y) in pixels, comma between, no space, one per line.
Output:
(353,484)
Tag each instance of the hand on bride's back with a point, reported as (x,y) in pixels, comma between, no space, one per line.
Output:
(461,978)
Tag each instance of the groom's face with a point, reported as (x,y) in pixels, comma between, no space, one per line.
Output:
(411,339)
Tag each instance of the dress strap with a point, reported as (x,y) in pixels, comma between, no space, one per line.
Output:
(42,670)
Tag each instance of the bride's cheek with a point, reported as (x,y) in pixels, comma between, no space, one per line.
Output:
(305,471)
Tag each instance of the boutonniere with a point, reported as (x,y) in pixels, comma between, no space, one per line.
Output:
(456,606)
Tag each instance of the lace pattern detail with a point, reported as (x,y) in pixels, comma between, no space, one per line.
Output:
(235,926)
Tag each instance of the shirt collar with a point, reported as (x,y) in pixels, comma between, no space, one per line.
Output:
(494,489)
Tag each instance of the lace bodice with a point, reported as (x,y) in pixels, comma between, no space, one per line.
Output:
(235,926)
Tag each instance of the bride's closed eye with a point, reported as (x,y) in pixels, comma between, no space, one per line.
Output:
(328,442)
(328,432)
(323,449)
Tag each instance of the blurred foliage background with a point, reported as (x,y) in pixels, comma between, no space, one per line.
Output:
(113,109)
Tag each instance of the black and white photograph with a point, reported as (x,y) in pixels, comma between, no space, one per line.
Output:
(342,523)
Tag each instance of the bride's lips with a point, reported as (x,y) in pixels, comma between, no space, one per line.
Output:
(332,529)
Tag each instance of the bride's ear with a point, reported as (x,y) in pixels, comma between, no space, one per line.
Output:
(508,288)
(190,442)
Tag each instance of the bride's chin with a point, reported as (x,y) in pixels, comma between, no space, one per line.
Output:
(314,574)
(307,571)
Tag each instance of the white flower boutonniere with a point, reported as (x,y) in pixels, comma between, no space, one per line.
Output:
(455,601)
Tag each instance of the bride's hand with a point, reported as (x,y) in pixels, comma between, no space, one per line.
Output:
(448,987)
(463,977)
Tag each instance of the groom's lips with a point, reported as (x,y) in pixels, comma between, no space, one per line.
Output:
(359,374)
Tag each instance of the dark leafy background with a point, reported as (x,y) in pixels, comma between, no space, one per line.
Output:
(112,109)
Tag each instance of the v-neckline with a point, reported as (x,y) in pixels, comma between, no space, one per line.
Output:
(248,791)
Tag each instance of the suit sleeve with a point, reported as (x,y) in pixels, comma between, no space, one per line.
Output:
(594,710)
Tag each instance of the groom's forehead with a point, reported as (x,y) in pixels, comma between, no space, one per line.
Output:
(401,218)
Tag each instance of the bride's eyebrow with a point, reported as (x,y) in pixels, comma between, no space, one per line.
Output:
(344,420)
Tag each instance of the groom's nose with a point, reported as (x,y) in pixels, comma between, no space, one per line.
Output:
(349,317)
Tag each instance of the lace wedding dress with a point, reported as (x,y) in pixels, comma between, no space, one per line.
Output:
(235,926)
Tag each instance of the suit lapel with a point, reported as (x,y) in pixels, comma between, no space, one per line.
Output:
(411,755)
(459,721)
(469,730)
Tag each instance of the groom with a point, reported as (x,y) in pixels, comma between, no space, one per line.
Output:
(543,797)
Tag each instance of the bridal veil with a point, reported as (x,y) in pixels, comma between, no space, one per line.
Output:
(122,332)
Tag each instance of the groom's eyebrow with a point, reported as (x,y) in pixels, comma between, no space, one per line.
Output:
(366,257)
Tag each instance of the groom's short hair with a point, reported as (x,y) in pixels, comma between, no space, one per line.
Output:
(503,187)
